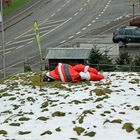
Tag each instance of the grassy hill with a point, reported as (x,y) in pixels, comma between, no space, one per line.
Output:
(87,110)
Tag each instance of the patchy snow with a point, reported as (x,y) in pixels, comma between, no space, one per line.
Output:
(28,113)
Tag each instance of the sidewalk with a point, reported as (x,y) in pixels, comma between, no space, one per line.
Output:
(20,14)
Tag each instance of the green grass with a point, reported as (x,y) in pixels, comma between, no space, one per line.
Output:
(16,4)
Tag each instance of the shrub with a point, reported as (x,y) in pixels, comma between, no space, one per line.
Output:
(96,57)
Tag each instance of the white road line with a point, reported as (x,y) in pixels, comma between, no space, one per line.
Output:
(81,8)
(85,4)
(8,52)
(47,26)
(84,28)
(30,42)
(62,41)
(76,14)
(93,21)
(8,42)
(56,27)
(102,12)
(78,33)
(41,28)
(71,37)
(68,1)
(39,24)
(63,5)
(20,47)
(53,15)
(89,25)
(53,21)
(9,49)
(20,41)
(96,18)
(58,9)
(28,35)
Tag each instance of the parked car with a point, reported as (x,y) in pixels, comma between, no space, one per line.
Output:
(125,35)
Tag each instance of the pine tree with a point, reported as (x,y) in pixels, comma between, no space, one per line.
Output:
(136,61)
(97,57)
(124,58)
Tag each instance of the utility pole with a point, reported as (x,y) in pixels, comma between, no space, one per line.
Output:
(3,41)
(133,11)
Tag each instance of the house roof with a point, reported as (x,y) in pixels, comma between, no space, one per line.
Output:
(68,53)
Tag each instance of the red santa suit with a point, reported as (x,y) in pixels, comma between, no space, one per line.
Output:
(67,73)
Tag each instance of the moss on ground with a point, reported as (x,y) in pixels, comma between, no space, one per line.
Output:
(128,127)
(79,130)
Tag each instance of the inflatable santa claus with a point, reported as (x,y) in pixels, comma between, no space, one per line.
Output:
(68,73)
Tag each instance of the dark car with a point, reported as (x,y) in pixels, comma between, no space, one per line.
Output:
(126,34)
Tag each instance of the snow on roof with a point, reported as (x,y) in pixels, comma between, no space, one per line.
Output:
(102,110)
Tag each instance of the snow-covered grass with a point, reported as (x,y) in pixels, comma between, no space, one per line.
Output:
(102,110)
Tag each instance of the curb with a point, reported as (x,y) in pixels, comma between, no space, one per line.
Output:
(21,15)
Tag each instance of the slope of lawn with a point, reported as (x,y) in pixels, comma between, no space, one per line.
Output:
(16,4)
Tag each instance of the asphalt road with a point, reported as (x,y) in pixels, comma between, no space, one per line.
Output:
(59,22)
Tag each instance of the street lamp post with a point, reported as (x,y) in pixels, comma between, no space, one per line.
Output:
(3,41)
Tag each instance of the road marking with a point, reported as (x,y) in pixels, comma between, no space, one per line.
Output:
(53,21)
(39,25)
(102,12)
(8,42)
(45,27)
(59,9)
(84,28)
(89,25)
(78,33)
(62,41)
(63,5)
(76,14)
(20,41)
(71,37)
(20,47)
(56,27)
(93,21)
(8,52)
(96,18)
(85,4)
(81,8)
(9,49)
(53,15)
(29,42)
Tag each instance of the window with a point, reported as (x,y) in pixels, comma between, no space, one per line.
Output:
(128,32)
(137,32)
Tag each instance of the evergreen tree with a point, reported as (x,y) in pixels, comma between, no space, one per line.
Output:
(124,59)
(136,61)
(95,56)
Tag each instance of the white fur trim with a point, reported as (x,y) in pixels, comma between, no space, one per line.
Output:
(83,75)
(87,76)
(86,68)
(60,72)
(105,75)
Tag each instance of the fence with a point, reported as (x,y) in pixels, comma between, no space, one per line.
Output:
(111,67)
